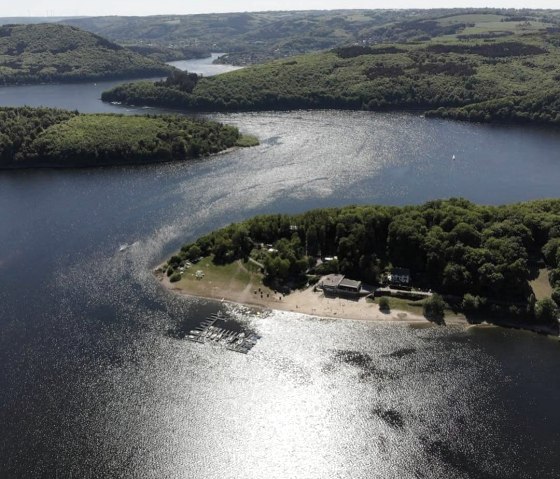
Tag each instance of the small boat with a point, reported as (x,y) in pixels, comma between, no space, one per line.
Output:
(453,157)
(123,247)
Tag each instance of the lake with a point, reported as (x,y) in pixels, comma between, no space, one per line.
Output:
(96,380)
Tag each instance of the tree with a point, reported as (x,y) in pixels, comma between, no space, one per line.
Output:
(384,304)
(241,242)
(546,311)
(434,308)
(312,240)
(183,80)
(175,277)
(466,234)
(456,278)
(470,303)
(556,296)
(194,252)
(550,252)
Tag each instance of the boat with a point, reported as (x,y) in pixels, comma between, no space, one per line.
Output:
(453,157)
(123,247)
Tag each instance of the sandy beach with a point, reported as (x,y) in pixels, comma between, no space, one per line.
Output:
(306,301)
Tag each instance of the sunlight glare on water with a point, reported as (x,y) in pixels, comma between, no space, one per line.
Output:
(96,380)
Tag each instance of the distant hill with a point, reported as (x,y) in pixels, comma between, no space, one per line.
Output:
(44,53)
(255,37)
(250,37)
(29,20)
(512,78)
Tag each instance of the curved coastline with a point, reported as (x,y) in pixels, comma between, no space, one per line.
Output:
(62,166)
(308,303)
(51,138)
(336,308)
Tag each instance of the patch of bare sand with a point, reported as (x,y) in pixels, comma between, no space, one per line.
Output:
(307,301)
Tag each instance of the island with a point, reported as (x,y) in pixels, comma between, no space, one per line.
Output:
(47,137)
(499,69)
(52,53)
(446,259)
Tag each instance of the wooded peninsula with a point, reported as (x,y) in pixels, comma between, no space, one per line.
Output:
(510,77)
(47,137)
(483,260)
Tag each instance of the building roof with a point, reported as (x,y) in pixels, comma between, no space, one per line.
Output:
(400,271)
(332,280)
(350,283)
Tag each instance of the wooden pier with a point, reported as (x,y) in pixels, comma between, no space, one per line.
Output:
(208,331)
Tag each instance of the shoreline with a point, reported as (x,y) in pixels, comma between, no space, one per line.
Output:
(54,166)
(315,305)
(307,302)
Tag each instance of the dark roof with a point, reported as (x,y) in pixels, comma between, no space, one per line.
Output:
(332,280)
(401,271)
(350,283)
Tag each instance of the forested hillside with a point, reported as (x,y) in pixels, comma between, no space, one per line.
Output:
(483,256)
(254,37)
(249,37)
(57,53)
(45,137)
(514,78)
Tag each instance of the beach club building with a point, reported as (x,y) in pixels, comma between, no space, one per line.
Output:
(339,284)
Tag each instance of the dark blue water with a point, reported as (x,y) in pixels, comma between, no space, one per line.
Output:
(94,381)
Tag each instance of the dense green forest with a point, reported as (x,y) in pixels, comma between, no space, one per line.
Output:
(58,53)
(169,54)
(480,257)
(45,137)
(254,37)
(249,37)
(512,78)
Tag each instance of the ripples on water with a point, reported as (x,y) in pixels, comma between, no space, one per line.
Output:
(95,381)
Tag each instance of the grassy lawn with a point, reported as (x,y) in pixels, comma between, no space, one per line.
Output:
(238,276)
(470,18)
(541,285)
(413,307)
(247,140)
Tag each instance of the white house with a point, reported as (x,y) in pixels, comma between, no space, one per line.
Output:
(399,276)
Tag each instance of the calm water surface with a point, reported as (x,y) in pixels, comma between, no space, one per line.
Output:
(95,380)
(204,66)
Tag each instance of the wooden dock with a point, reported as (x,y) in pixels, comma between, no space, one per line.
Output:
(208,331)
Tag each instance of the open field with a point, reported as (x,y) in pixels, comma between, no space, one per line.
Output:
(238,278)
(541,285)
